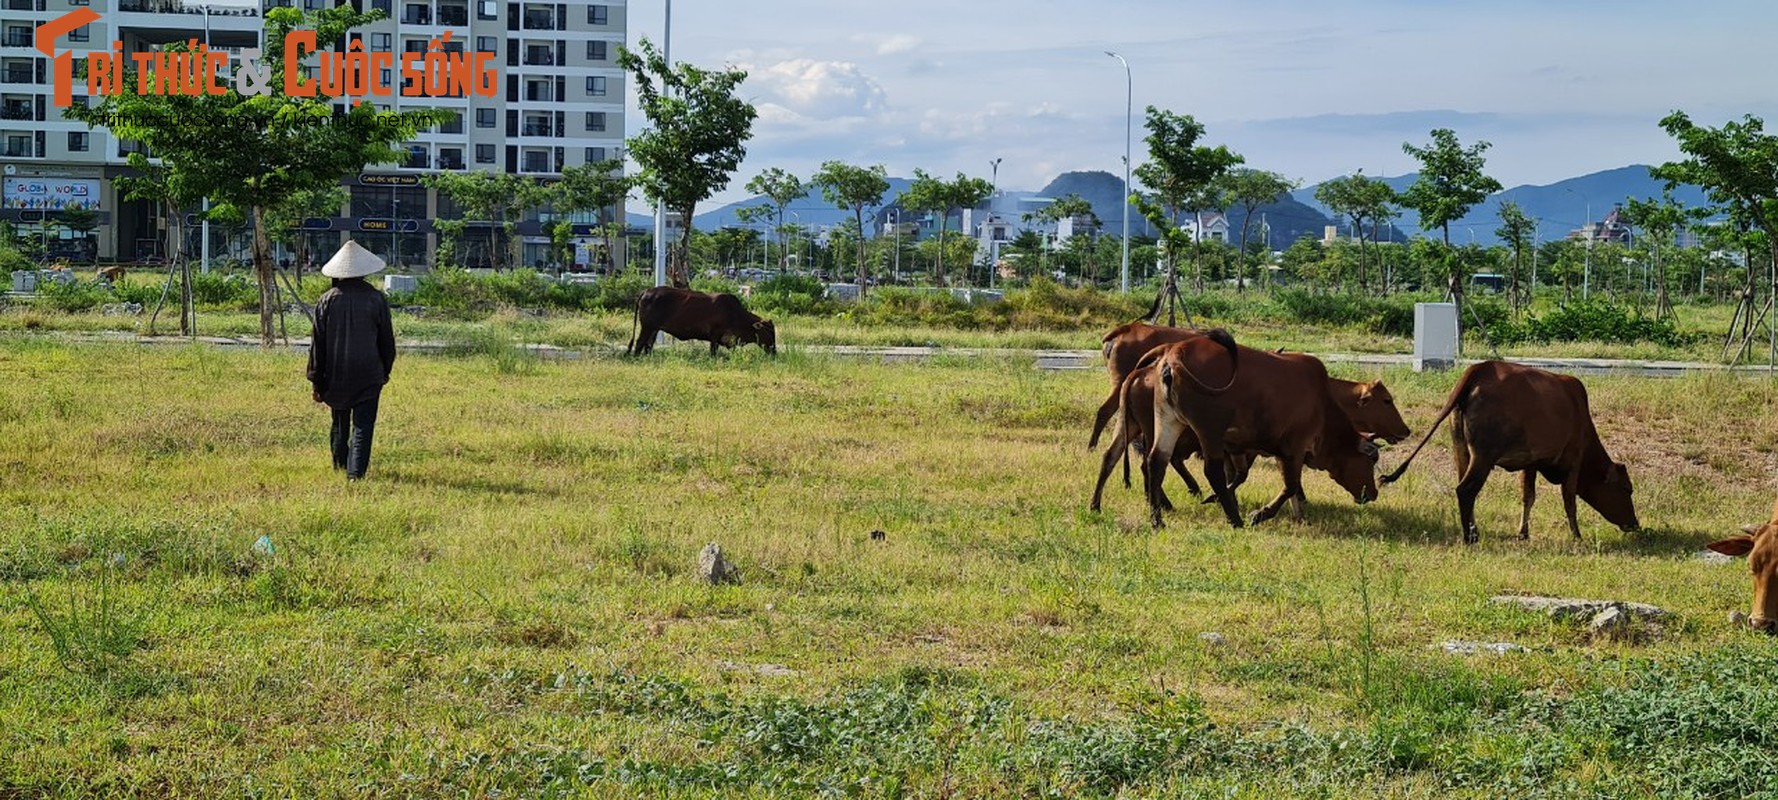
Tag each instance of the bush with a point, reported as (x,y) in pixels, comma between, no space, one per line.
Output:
(1594,321)
(74,296)
(791,294)
(233,292)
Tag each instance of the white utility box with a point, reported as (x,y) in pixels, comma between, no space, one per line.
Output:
(405,284)
(1435,336)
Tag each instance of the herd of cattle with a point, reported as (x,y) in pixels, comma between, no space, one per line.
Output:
(1184,391)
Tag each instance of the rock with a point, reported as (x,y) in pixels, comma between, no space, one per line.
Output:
(1612,618)
(768,670)
(1212,639)
(1713,557)
(713,568)
(1562,608)
(1468,648)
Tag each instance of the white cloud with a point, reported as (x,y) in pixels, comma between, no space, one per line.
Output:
(817,89)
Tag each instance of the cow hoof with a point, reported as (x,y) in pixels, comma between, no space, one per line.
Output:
(1260,516)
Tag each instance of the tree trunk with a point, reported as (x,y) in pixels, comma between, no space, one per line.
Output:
(262,267)
(858,213)
(939,269)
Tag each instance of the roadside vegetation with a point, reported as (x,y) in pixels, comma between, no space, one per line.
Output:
(191,602)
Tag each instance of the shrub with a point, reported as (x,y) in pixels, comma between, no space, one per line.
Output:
(74,296)
(232,292)
(1594,321)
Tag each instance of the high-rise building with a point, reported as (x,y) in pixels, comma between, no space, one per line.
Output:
(560,103)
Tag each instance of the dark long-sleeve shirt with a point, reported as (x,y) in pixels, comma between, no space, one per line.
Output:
(353,348)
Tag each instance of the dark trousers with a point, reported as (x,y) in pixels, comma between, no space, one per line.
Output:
(352,429)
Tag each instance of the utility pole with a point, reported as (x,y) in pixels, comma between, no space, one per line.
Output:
(660,206)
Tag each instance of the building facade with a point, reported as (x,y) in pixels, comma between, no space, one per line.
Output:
(560,104)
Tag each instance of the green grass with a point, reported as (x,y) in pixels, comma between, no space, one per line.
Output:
(508,604)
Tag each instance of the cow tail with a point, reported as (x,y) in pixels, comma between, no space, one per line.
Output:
(1154,311)
(1457,393)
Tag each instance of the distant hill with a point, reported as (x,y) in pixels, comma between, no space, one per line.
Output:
(810,210)
(1288,218)
(1561,207)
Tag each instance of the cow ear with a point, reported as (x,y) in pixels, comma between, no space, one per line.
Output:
(1365,396)
(760,325)
(1737,546)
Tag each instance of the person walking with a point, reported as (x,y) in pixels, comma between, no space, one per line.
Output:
(351,354)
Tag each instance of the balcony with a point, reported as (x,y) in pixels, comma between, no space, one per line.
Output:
(539,129)
(538,57)
(416,159)
(25,111)
(453,15)
(450,162)
(26,75)
(17,38)
(23,5)
(540,21)
(18,147)
(416,15)
(535,164)
(540,93)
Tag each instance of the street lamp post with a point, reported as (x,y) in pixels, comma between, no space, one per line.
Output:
(660,206)
(896,215)
(205,226)
(1586,280)
(1129,94)
(993,249)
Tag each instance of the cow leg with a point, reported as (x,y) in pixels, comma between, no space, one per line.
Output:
(713,348)
(1191,485)
(1106,409)
(1467,489)
(1160,487)
(1527,495)
(1160,451)
(1292,468)
(1571,490)
(1213,474)
(1107,463)
(645,340)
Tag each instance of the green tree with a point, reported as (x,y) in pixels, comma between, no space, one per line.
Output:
(1451,182)
(1180,176)
(286,218)
(696,139)
(600,187)
(781,188)
(941,197)
(856,188)
(1737,167)
(249,153)
(1251,188)
(498,199)
(1658,221)
(1364,202)
(1516,229)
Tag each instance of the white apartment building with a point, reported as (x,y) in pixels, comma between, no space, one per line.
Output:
(561,104)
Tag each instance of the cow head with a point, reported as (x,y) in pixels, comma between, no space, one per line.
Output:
(1760,545)
(1377,413)
(1613,497)
(766,336)
(1355,470)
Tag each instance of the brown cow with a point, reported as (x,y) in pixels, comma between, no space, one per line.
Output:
(1760,545)
(112,275)
(1527,420)
(1123,347)
(1235,398)
(719,319)
(1368,404)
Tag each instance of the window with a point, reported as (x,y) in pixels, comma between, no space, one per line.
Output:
(484,154)
(487,9)
(598,15)
(595,86)
(595,155)
(595,51)
(80,2)
(79,34)
(380,41)
(77,141)
(487,44)
(487,117)
(595,120)
(388,77)
(381,5)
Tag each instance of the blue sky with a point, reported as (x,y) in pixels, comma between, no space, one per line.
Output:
(1310,90)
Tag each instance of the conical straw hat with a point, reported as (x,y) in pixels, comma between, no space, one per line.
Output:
(352,261)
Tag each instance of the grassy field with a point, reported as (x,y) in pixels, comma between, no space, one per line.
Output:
(508,606)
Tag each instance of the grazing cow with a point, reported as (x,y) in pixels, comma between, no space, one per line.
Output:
(1531,421)
(718,319)
(1123,347)
(1760,545)
(1368,404)
(111,275)
(1237,399)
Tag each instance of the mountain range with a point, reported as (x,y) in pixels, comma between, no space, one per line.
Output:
(1558,207)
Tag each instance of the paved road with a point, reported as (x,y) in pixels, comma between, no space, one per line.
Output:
(1045,359)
